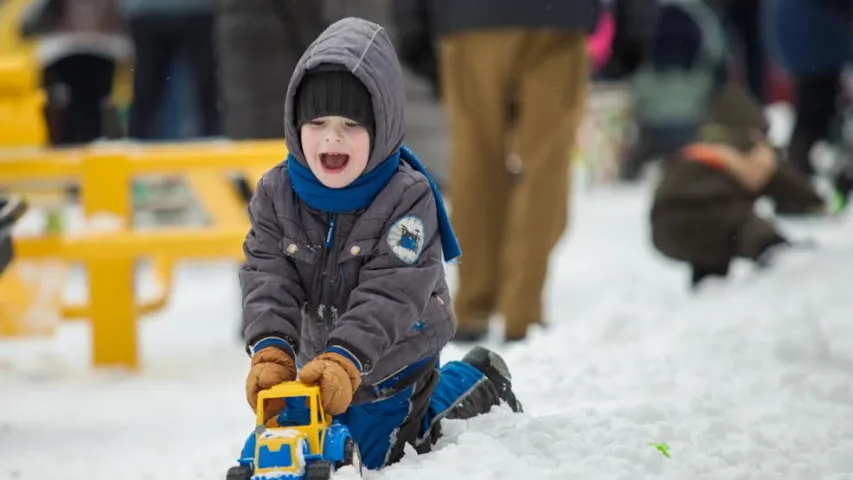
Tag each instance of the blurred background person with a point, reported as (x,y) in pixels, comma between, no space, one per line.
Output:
(78,44)
(260,42)
(703,210)
(513,80)
(742,20)
(812,40)
(410,23)
(417,40)
(178,118)
(162,30)
(687,57)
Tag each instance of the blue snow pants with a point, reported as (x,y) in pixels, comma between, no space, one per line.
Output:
(409,415)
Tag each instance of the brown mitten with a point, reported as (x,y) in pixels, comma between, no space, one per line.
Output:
(752,170)
(337,378)
(270,366)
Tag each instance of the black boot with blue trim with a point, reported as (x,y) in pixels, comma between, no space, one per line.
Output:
(496,371)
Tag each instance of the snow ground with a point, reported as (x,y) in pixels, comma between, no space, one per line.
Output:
(749,379)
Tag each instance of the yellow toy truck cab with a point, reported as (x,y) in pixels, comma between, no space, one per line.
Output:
(301,442)
(307,424)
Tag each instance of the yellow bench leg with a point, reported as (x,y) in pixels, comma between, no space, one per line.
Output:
(16,299)
(113,313)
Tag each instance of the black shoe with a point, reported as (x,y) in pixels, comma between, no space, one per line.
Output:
(765,258)
(494,368)
(698,274)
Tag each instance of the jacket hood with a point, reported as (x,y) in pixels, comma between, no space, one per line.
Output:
(365,49)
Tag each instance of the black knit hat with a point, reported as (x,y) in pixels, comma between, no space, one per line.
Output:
(332,90)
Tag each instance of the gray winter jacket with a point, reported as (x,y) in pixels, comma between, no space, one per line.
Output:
(387,311)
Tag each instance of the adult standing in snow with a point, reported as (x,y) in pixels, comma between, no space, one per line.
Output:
(813,41)
(518,70)
(260,42)
(162,30)
(742,19)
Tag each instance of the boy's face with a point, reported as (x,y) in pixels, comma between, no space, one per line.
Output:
(336,149)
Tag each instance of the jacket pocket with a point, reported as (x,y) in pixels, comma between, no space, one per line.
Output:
(350,262)
(306,261)
(299,251)
(437,322)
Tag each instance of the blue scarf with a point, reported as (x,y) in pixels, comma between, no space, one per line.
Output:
(361,193)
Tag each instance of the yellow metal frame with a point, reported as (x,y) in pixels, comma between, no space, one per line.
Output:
(22,102)
(11,41)
(104,173)
(29,292)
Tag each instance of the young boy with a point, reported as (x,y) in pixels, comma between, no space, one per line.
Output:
(344,283)
(703,208)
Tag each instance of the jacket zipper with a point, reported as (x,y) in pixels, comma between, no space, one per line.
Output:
(330,234)
(335,273)
(328,275)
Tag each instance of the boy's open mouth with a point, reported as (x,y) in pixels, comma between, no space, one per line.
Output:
(334,162)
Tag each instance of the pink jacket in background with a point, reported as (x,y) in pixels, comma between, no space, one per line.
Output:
(601,41)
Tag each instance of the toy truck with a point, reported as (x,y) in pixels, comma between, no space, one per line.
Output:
(301,443)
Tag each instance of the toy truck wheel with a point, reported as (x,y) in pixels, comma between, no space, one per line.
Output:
(240,472)
(352,456)
(319,470)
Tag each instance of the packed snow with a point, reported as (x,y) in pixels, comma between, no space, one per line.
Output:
(751,378)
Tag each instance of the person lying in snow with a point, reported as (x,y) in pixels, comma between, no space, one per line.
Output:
(344,283)
(703,208)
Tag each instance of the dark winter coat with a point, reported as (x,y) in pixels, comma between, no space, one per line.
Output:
(416,39)
(465,15)
(356,294)
(135,8)
(259,44)
(703,216)
(632,42)
(810,37)
(421,21)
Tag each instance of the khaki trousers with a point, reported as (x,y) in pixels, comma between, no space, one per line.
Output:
(510,91)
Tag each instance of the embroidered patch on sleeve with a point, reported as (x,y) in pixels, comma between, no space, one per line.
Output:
(406,238)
